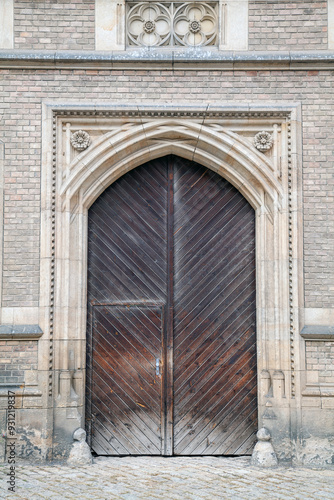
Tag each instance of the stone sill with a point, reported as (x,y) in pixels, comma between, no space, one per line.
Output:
(318,333)
(25,396)
(20,332)
(319,390)
(190,59)
(19,392)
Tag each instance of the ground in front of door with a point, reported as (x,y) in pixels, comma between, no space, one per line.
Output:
(155,478)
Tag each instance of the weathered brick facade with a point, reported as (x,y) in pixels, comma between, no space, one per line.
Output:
(294,25)
(313,89)
(16,359)
(47,76)
(54,25)
(320,357)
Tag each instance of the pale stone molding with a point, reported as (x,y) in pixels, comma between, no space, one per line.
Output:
(109,24)
(314,387)
(231,24)
(318,333)
(2,166)
(210,146)
(20,332)
(190,59)
(234,25)
(319,316)
(219,138)
(19,315)
(7,24)
(80,453)
(330,5)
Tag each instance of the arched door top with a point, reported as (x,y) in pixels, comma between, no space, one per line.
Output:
(225,152)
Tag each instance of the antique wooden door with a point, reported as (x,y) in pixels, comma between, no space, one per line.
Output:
(171,345)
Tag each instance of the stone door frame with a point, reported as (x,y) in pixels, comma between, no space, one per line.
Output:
(119,138)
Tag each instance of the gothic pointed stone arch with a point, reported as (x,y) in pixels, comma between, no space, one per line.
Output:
(122,138)
(226,152)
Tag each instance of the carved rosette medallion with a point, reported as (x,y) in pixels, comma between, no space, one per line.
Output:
(148,24)
(151,24)
(80,140)
(263,141)
(195,24)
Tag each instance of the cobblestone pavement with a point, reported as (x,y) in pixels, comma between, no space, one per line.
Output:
(155,478)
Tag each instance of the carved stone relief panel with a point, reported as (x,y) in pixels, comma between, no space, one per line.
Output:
(122,24)
(157,24)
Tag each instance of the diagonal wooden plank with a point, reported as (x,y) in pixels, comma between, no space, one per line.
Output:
(118,320)
(102,446)
(135,264)
(119,431)
(204,393)
(111,275)
(220,324)
(237,426)
(214,306)
(124,398)
(126,345)
(200,322)
(132,373)
(206,264)
(212,355)
(205,228)
(125,392)
(220,417)
(116,240)
(203,298)
(126,421)
(214,294)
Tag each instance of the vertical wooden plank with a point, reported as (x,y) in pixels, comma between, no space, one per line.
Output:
(169,398)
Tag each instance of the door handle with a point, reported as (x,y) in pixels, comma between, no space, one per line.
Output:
(157,367)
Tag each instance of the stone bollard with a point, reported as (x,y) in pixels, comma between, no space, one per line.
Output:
(80,453)
(263,453)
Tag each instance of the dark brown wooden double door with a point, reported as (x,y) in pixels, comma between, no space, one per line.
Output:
(171,353)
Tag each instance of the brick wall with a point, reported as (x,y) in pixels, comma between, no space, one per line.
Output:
(289,25)
(23,92)
(15,358)
(54,24)
(273,25)
(320,357)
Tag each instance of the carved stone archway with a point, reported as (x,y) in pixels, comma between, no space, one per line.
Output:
(121,138)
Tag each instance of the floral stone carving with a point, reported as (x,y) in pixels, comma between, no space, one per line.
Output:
(195,25)
(263,141)
(190,24)
(80,140)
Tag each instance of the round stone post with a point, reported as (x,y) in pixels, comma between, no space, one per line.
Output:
(263,453)
(80,453)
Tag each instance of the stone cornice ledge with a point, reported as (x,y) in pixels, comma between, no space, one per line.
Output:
(20,332)
(318,333)
(191,59)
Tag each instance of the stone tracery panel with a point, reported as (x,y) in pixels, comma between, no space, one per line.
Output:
(159,24)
